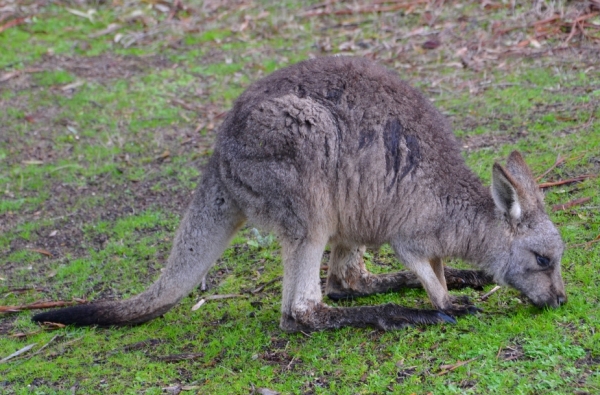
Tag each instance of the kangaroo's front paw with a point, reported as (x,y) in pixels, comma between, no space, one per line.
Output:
(462,300)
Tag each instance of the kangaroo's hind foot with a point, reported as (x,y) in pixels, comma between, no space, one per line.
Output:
(348,277)
(303,309)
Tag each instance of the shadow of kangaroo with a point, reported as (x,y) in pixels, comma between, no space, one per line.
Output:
(339,150)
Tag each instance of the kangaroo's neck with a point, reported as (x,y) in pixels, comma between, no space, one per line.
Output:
(478,235)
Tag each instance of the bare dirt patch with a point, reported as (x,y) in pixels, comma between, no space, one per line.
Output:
(99,68)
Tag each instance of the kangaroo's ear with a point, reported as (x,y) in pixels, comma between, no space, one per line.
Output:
(504,192)
(514,188)
(518,169)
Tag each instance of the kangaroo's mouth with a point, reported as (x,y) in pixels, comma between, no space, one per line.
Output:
(548,301)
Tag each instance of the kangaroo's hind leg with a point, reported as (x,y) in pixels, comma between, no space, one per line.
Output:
(348,277)
(303,309)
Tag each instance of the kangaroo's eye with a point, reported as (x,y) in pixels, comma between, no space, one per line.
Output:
(542,260)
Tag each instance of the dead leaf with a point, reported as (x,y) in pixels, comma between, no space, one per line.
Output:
(41,251)
(164,155)
(431,44)
(52,325)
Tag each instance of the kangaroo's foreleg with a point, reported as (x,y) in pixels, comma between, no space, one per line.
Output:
(429,273)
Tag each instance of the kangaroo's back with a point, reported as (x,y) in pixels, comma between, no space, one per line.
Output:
(366,145)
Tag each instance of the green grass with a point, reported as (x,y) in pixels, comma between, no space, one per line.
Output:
(108,167)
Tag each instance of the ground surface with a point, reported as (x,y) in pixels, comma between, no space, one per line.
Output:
(108,111)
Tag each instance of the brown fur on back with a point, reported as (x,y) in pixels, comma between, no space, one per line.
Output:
(350,139)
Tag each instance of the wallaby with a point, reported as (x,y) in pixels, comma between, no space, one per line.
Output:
(340,151)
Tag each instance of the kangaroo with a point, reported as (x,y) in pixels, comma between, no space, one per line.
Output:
(341,151)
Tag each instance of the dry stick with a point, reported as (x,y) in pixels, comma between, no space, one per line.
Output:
(17,353)
(227,296)
(261,287)
(587,243)
(290,364)
(14,22)
(577,23)
(38,305)
(216,297)
(484,297)
(558,162)
(455,366)
(547,20)
(41,348)
(572,203)
(562,182)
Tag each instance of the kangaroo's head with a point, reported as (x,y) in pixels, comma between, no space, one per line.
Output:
(535,248)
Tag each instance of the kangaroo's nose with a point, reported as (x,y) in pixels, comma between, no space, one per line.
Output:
(561,299)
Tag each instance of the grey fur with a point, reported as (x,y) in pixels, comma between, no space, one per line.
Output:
(341,151)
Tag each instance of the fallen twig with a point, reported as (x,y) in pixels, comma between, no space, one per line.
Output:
(21,335)
(198,305)
(40,305)
(42,348)
(547,20)
(449,368)
(216,297)
(263,286)
(587,243)
(485,296)
(111,28)
(226,296)
(558,162)
(577,25)
(17,353)
(14,22)
(562,182)
(572,203)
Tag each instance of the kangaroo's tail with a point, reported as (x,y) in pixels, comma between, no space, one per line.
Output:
(209,224)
